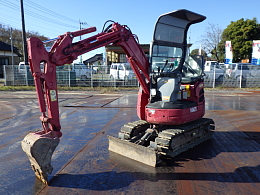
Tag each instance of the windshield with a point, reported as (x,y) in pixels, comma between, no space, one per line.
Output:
(242,67)
(128,67)
(214,63)
(165,58)
(192,66)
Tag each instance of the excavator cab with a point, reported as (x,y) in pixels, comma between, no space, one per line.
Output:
(170,68)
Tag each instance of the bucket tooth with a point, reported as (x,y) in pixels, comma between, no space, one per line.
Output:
(133,151)
(39,151)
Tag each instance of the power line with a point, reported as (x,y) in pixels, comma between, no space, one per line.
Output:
(39,16)
(10,5)
(46,19)
(17,25)
(50,12)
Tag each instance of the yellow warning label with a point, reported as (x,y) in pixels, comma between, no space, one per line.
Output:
(165,97)
(53,95)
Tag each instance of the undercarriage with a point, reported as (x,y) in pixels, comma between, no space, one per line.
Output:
(147,143)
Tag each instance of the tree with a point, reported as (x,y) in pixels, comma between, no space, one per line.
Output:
(5,35)
(196,52)
(241,34)
(210,41)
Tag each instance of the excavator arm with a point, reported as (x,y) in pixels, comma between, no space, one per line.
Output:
(43,143)
(64,51)
(171,117)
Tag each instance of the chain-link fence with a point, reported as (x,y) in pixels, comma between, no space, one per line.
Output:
(233,75)
(90,77)
(101,76)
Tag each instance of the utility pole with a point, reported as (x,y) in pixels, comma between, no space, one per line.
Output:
(81,23)
(25,52)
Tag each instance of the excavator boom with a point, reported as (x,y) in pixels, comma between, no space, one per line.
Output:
(170,100)
(39,146)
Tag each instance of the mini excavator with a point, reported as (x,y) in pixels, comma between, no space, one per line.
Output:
(170,104)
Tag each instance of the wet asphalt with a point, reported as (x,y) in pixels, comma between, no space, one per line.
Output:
(229,163)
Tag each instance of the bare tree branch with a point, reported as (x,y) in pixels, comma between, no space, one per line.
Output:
(211,39)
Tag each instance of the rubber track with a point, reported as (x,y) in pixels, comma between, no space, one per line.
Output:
(165,147)
(131,129)
(164,140)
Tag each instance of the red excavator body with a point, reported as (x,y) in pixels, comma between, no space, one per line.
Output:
(170,100)
(183,111)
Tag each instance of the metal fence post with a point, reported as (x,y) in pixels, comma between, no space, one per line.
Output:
(69,78)
(214,76)
(5,74)
(91,75)
(114,78)
(26,75)
(240,83)
(13,73)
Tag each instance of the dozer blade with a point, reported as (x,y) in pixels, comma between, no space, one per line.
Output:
(39,150)
(133,151)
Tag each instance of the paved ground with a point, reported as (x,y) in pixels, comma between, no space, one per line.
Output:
(229,163)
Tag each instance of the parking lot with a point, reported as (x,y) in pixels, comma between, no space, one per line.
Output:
(229,163)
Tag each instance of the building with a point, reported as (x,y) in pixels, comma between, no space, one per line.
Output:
(95,60)
(114,54)
(6,56)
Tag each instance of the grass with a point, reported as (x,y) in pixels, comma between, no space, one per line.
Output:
(17,88)
(99,89)
(108,89)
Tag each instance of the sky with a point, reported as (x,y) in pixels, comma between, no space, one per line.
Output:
(55,17)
